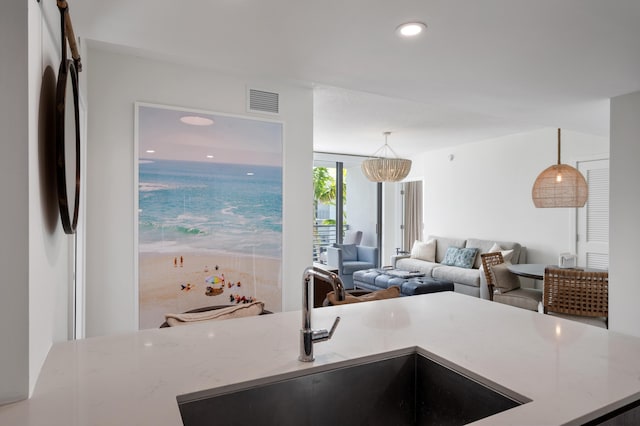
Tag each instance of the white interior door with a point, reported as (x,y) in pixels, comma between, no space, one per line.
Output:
(593,220)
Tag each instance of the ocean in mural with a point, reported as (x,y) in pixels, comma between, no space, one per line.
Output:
(187,206)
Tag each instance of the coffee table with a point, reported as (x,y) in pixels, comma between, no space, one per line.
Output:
(410,282)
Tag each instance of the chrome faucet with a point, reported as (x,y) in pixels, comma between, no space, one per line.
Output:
(308,336)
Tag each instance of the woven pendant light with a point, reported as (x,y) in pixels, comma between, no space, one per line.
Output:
(560,186)
(380,168)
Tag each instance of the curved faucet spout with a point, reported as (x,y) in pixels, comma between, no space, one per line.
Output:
(333,279)
(308,336)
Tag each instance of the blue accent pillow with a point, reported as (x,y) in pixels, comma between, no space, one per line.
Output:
(349,252)
(450,256)
(466,257)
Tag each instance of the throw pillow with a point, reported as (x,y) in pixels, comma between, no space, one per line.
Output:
(503,279)
(424,250)
(450,256)
(349,252)
(465,257)
(506,254)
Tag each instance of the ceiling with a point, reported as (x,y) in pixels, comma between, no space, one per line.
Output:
(483,69)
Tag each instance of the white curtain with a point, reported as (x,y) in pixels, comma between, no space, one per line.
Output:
(412,213)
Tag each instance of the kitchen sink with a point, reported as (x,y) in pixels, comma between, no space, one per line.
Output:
(388,389)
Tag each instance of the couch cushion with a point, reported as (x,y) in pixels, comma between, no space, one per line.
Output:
(352,237)
(450,256)
(424,250)
(484,246)
(349,251)
(506,254)
(443,243)
(503,279)
(349,267)
(457,275)
(526,298)
(408,264)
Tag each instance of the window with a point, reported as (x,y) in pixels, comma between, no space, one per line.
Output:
(343,200)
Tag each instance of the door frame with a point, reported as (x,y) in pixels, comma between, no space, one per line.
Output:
(574,216)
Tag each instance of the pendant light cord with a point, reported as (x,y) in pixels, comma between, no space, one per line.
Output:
(558,146)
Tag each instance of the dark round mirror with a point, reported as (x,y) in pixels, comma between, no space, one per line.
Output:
(68,145)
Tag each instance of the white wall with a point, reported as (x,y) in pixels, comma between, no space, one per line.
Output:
(35,252)
(117,81)
(485,192)
(14,218)
(50,249)
(624,219)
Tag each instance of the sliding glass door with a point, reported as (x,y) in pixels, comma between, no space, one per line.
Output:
(345,202)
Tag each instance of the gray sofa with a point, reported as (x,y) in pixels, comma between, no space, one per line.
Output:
(469,281)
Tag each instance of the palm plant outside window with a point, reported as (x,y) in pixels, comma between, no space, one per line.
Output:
(326,209)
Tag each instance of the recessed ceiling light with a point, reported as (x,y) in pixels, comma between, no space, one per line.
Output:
(249,173)
(411,29)
(150,151)
(209,156)
(195,120)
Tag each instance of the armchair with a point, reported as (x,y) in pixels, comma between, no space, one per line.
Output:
(350,237)
(348,258)
(504,286)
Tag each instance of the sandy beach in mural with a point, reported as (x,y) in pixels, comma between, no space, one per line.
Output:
(168,287)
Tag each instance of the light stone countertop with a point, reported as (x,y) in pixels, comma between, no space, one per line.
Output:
(570,371)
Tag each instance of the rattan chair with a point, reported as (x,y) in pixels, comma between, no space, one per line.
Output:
(577,293)
(489,259)
(510,294)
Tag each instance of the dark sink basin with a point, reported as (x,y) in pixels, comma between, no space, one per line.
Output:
(407,389)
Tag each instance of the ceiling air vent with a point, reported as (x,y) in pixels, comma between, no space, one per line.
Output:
(263,101)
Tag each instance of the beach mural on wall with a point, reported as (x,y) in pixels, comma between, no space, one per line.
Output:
(209,211)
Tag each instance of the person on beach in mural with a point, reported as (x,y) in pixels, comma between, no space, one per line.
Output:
(241,299)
